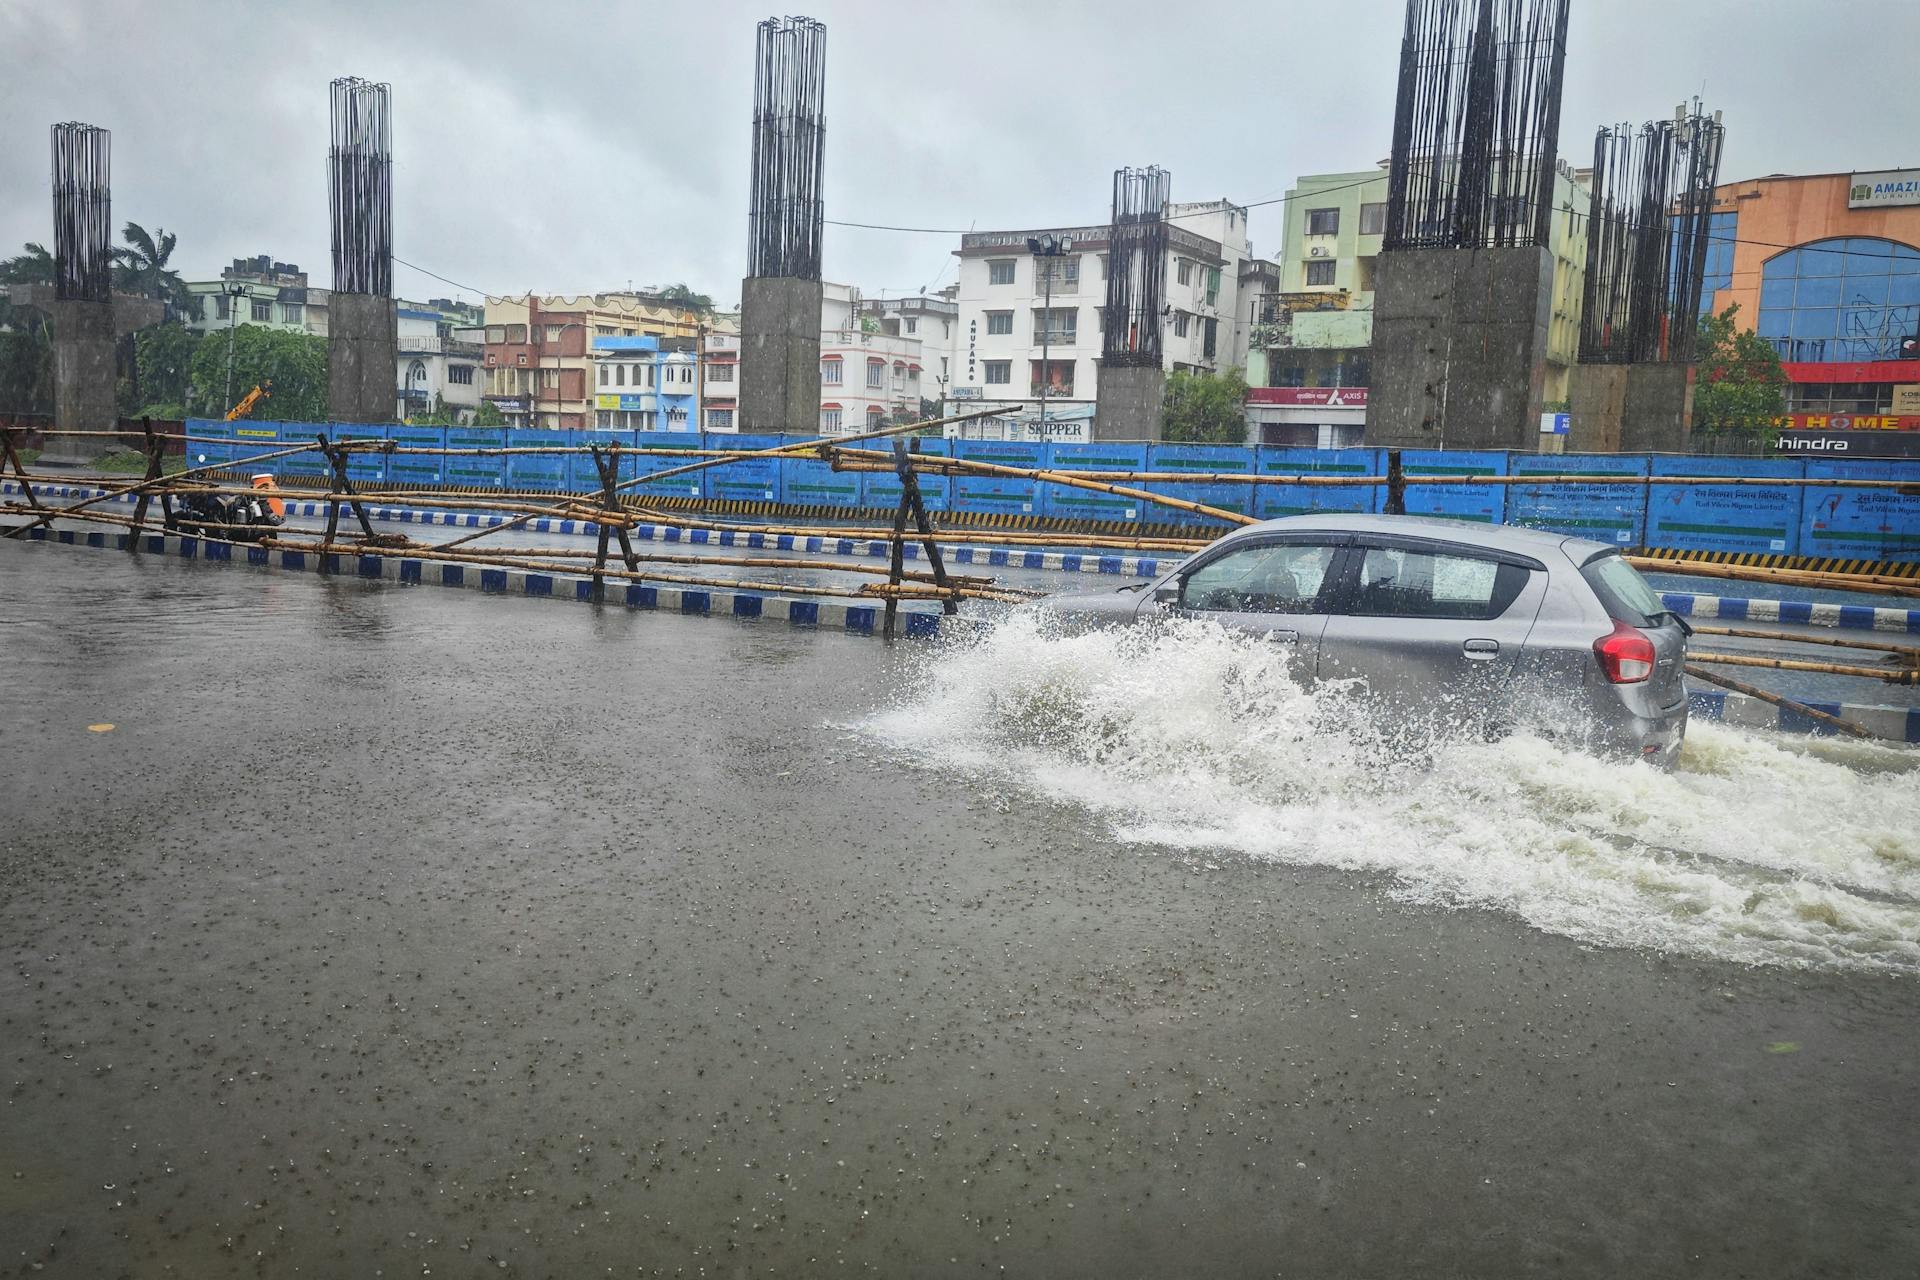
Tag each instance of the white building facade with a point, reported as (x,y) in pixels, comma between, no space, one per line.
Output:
(1028,330)
(869,378)
(438,364)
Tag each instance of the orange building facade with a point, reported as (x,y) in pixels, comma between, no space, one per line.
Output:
(1826,267)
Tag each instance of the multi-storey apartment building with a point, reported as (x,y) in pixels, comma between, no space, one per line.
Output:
(259,291)
(439,366)
(1309,362)
(1025,325)
(933,321)
(645,383)
(720,381)
(868,376)
(539,350)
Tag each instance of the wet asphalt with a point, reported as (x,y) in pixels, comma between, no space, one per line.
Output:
(404,932)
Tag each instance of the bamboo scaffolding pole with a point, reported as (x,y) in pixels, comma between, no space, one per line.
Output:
(785,450)
(1313,479)
(1907,653)
(1073,481)
(1867,583)
(1908,676)
(1754,691)
(633,516)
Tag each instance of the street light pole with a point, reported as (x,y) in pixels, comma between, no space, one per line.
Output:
(234,293)
(1045,248)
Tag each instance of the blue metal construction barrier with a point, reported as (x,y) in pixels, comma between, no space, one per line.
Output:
(1271,500)
(1785,519)
(1064,502)
(1615,513)
(1217,459)
(1482,502)
(998,495)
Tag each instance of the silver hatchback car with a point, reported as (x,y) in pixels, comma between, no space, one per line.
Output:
(1443,622)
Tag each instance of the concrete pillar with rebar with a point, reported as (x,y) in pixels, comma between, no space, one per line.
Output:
(362,341)
(781,298)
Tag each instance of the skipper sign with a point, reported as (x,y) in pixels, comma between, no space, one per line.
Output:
(1885,189)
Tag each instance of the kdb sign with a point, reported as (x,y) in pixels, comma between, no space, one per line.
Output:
(1884,190)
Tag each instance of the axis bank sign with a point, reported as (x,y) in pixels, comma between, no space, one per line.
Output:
(1314,397)
(1884,190)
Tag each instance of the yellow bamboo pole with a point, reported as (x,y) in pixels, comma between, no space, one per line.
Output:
(1908,676)
(1868,583)
(1754,691)
(1073,481)
(1907,653)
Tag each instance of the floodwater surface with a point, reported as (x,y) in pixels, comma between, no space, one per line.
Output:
(351,929)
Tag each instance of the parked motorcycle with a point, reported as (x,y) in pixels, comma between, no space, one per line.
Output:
(232,517)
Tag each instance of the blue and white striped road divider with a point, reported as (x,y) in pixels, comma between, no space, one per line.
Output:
(875,548)
(1847,617)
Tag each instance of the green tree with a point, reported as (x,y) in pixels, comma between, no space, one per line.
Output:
(35,266)
(140,268)
(1205,408)
(1739,387)
(295,363)
(686,297)
(489,415)
(26,368)
(164,355)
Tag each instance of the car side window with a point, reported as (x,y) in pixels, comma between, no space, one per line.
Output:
(1281,577)
(1401,582)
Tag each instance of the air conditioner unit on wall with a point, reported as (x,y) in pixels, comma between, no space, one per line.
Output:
(1318,251)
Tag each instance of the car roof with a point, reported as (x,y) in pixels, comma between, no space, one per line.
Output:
(1473,533)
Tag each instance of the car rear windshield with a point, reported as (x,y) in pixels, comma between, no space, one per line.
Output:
(1621,589)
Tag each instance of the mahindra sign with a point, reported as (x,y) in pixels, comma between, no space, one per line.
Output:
(1310,397)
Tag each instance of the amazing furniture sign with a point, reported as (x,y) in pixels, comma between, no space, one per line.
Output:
(1884,190)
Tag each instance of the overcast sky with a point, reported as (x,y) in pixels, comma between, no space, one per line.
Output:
(572,147)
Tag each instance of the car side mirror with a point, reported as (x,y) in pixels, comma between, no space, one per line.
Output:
(1168,596)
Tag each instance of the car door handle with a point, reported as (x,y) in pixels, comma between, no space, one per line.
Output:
(1284,637)
(1481,650)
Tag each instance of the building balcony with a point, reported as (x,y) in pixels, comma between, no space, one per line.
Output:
(417,346)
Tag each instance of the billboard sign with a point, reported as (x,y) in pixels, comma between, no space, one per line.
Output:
(1316,397)
(1848,444)
(1555,424)
(1884,189)
(1850,422)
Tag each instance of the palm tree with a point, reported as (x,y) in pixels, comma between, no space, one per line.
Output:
(143,269)
(35,266)
(687,298)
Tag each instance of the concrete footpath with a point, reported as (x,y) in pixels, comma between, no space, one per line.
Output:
(621,954)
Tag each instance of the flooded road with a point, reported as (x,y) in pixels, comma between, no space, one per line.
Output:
(405,932)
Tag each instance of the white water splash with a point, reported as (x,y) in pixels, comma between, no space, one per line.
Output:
(1759,849)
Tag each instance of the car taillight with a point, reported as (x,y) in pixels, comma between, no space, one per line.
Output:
(1626,655)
